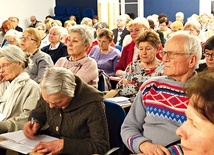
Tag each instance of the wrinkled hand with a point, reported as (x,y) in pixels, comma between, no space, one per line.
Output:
(30,130)
(153,149)
(125,82)
(50,148)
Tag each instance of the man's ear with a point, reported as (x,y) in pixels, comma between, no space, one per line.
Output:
(192,61)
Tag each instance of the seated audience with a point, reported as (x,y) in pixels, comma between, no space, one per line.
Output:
(47,23)
(56,23)
(176,26)
(159,107)
(69,23)
(33,21)
(106,56)
(79,40)
(87,21)
(193,27)
(179,16)
(98,27)
(73,18)
(18,93)
(208,52)
(13,37)
(210,29)
(197,134)
(74,112)
(95,20)
(130,51)
(204,20)
(15,22)
(6,26)
(164,27)
(30,43)
(44,35)
(120,31)
(56,49)
(138,71)
(152,27)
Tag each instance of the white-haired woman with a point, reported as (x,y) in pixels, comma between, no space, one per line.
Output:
(56,49)
(74,112)
(18,93)
(13,37)
(78,43)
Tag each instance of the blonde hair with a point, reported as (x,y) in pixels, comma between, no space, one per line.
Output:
(142,22)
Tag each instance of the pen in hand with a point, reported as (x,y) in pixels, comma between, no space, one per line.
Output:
(32,118)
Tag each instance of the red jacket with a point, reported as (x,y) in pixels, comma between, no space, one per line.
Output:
(126,56)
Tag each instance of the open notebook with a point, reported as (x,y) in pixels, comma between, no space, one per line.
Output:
(120,100)
(18,142)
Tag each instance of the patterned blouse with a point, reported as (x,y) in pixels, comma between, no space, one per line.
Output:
(135,76)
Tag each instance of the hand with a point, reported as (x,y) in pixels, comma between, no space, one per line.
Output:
(50,148)
(125,82)
(153,149)
(30,130)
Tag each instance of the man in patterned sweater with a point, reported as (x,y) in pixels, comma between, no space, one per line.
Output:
(159,107)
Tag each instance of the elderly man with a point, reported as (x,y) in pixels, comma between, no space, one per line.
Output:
(15,22)
(120,32)
(159,107)
(33,21)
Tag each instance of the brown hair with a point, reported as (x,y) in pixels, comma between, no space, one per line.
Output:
(107,33)
(149,36)
(202,86)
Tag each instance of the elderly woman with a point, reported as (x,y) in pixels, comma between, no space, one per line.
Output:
(106,56)
(209,55)
(79,40)
(43,32)
(197,134)
(13,37)
(74,113)
(130,51)
(98,27)
(6,25)
(193,26)
(56,49)
(140,70)
(30,43)
(18,93)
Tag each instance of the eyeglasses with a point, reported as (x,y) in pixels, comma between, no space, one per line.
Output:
(5,65)
(208,54)
(27,38)
(171,54)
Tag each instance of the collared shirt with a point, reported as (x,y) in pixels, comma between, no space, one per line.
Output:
(55,47)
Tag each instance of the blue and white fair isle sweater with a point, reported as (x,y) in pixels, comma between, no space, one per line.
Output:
(157,111)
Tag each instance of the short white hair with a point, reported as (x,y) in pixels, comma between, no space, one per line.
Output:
(181,14)
(14,33)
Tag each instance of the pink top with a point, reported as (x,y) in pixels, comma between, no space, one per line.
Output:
(85,68)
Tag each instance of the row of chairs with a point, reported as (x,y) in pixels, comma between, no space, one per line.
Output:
(64,12)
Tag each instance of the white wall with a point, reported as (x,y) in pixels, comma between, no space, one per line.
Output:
(205,6)
(23,9)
